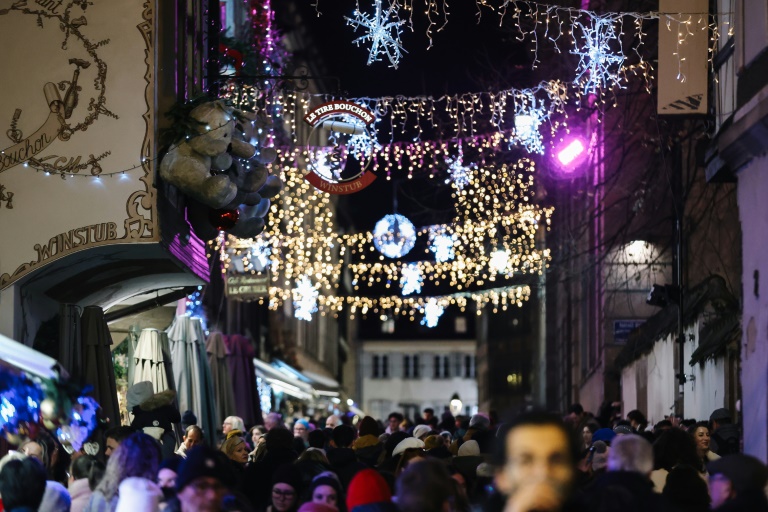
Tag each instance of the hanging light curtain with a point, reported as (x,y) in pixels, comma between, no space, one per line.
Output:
(240,360)
(222,379)
(98,368)
(192,373)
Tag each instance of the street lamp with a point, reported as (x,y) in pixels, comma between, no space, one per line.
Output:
(456,404)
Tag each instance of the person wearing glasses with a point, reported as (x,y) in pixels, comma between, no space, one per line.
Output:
(201,482)
(286,485)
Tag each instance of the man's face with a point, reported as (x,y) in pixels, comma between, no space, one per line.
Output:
(332,422)
(226,426)
(192,439)
(536,456)
(720,490)
(202,494)
(428,415)
(394,424)
(111,446)
(299,430)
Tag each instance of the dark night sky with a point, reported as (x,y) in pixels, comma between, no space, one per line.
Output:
(466,56)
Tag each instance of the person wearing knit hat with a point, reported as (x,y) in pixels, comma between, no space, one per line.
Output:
(421,431)
(138,494)
(432,442)
(203,470)
(369,492)
(479,422)
(286,486)
(188,419)
(409,443)
(326,489)
(393,441)
(604,434)
(469,448)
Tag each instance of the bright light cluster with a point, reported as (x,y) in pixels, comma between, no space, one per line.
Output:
(460,174)
(441,243)
(432,313)
(394,236)
(304,299)
(411,279)
(529,115)
(383,31)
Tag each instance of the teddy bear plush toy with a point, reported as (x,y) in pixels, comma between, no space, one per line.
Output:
(213,165)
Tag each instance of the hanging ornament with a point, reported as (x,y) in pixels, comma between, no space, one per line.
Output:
(394,236)
(432,313)
(383,34)
(441,243)
(599,65)
(529,114)
(223,220)
(411,279)
(304,299)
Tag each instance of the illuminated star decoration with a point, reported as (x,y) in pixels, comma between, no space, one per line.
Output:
(327,162)
(411,279)
(383,34)
(432,313)
(441,244)
(528,118)
(460,174)
(598,65)
(394,236)
(304,299)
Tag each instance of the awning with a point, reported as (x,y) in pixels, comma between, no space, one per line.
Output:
(324,386)
(282,381)
(27,359)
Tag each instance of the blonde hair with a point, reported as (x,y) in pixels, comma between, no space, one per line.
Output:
(236,422)
(229,446)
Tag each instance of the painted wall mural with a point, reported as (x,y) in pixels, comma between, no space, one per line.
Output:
(77,165)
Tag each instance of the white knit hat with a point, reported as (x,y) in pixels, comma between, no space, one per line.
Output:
(421,430)
(407,443)
(138,494)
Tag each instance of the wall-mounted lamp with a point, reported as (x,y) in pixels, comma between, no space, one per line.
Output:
(456,404)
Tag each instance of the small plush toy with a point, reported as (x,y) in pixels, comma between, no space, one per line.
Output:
(212,164)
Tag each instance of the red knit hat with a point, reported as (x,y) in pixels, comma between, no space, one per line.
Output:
(367,487)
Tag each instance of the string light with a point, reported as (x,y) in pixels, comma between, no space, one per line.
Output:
(441,243)
(394,236)
(304,299)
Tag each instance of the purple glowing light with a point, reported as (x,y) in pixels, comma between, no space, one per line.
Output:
(571,152)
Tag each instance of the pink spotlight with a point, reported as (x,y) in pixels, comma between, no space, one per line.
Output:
(572,151)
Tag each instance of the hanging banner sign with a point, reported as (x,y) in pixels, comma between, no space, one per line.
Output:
(340,168)
(683,54)
(247,286)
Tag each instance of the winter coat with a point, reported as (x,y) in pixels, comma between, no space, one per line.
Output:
(623,491)
(258,476)
(80,493)
(725,440)
(345,464)
(98,503)
(369,450)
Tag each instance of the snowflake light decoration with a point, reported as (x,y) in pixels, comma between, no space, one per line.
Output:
(441,244)
(598,65)
(258,256)
(411,279)
(499,261)
(432,313)
(383,34)
(460,174)
(304,299)
(528,118)
(394,236)
(328,162)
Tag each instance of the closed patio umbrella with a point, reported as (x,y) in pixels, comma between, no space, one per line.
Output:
(70,341)
(192,373)
(98,368)
(243,372)
(150,360)
(222,379)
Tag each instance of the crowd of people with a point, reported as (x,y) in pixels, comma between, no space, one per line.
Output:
(535,462)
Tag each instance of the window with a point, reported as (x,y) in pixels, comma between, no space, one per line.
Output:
(375,372)
(385,367)
(415,367)
(442,368)
(446,367)
(406,367)
(469,366)
(436,368)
